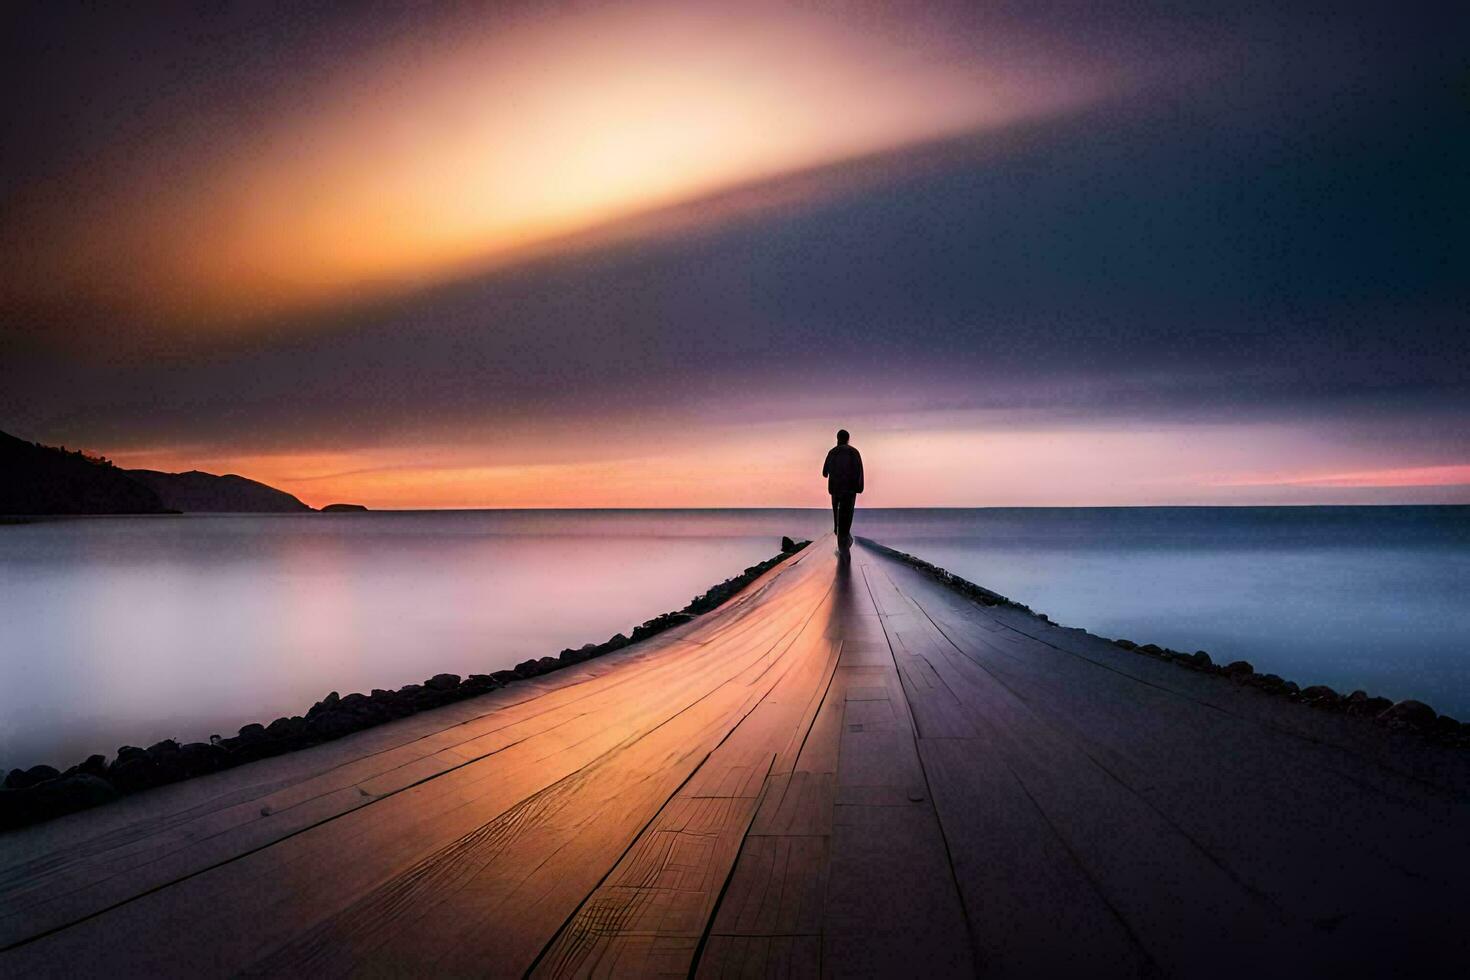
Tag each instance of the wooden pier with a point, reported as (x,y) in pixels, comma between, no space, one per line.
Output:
(847,770)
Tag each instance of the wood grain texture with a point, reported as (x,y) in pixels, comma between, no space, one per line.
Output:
(846,770)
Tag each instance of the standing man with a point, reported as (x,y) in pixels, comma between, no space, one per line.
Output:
(844,472)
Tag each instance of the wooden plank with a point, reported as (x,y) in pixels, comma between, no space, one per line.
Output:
(650,913)
(759,957)
(1032,908)
(663,890)
(798,803)
(778,887)
(772,907)
(892,907)
(1281,819)
(937,711)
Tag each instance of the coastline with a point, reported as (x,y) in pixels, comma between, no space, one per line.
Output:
(41,792)
(1408,715)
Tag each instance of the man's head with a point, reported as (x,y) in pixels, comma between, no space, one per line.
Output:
(842,437)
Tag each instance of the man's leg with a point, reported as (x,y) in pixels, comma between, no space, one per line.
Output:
(844,531)
(837,514)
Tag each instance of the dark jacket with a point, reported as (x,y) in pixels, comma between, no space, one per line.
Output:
(843,470)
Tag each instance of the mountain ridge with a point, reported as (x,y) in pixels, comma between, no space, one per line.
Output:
(41,480)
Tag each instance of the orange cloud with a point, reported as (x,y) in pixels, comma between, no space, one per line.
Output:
(418,162)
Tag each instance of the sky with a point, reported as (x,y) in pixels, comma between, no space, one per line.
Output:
(654,254)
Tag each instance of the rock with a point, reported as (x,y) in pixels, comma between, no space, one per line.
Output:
(1200,659)
(535,668)
(1152,649)
(325,704)
(787,545)
(54,798)
(1408,715)
(478,684)
(252,732)
(130,752)
(369,712)
(585,652)
(26,778)
(132,774)
(433,697)
(658,624)
(1365,706)
(617,642)
(391,704)
(1321,696)
(198,758)
(79,791)
(1269,682)
(327,725)
(343,509)
(96,765)
(443,682)
(1446,727)
(165,747)
(505,676)
(1238,669)
(168,765)
(1125,644)
(287,727)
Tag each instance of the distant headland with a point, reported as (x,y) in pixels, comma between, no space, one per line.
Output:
(50,480)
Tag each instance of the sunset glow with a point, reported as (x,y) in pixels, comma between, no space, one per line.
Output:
(398,169)
(653,253)
(926,461)
(1408,476)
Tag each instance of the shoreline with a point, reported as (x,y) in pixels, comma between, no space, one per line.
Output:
(1407,716)
(42,792)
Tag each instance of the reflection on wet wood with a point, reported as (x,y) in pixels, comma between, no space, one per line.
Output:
(847,769)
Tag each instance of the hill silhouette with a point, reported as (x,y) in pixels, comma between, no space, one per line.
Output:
(45,480)
(36,479)
(199,492)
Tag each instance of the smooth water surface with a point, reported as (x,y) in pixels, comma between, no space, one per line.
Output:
(1373,598)
(126,630)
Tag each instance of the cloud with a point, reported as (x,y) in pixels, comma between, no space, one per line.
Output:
(1261,246)
(409,162)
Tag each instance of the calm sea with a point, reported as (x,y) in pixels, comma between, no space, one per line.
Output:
(126,630)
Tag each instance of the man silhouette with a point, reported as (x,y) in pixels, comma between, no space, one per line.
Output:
(844,472)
